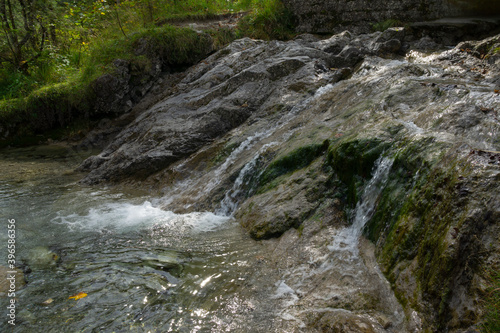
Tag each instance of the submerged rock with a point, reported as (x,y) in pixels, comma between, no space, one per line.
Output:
(41,257)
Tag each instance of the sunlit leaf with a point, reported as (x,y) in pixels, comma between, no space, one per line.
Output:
(78,296)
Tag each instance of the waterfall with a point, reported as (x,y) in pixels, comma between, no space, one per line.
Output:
(229,204)
(254,139)
(347,239)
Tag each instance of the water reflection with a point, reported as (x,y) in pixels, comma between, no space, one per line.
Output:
(142,268)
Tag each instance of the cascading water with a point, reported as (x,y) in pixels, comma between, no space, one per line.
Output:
(141,267)
(230,202)
(347,239)
(231,199)
(332,280)
(251,142)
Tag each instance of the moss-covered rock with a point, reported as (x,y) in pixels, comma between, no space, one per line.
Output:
(429,228)
(353,161)
(295,160)
(117,76)
(286,202)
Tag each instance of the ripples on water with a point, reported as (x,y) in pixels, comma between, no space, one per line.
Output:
(143,268)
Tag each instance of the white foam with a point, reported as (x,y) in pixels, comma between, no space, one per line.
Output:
(346,239)
(283,290)
(127,216)
(323,90)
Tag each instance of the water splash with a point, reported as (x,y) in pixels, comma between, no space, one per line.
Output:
(347,239)
(123,217)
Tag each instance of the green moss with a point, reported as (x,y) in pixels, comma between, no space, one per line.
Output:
(300,229)
(491,302)
(353,162)
(297,159)
(223,153)
(418,211)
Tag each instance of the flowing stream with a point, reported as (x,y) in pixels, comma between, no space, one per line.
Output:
(143,269)
(147,269)
(343,280)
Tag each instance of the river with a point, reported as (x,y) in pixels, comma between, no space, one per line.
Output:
(142,268)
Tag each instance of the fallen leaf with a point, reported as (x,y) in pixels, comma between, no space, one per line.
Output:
(78,296)
(497,91)
(47,302)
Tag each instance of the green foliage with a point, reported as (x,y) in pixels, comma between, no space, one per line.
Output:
(269,19)
(78,40)
(174,45)
(14,83)
(58,104)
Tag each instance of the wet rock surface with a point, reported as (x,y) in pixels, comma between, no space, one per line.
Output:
(216,96)
(240,133)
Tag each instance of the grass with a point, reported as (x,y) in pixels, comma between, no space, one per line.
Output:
(58,104)
(56,89)
(269,19)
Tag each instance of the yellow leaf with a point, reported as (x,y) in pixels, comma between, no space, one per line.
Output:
(78,296)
